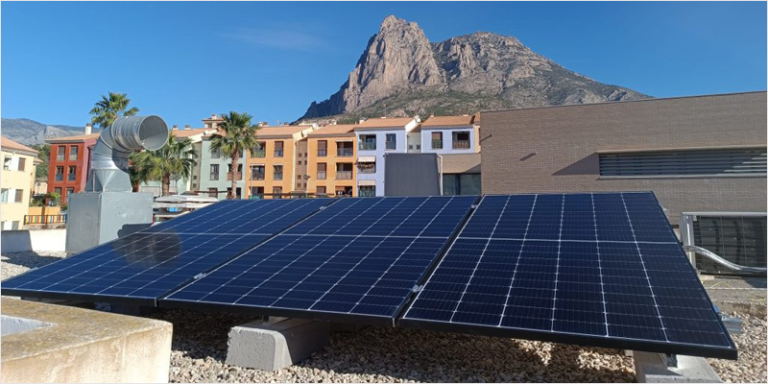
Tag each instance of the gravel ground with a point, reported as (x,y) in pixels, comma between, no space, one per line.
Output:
(377,354)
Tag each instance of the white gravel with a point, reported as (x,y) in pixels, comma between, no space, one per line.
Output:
(377,354)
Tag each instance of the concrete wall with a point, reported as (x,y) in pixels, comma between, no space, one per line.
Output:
(556,149)
(36,240)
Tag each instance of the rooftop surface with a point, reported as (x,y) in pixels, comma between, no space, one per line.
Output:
(7,143)
(448,121)
(330,130)
(383,122)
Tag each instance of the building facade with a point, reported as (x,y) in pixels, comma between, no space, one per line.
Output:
(69,163)
(457,140)
(18,178)
(703,153)
(331,155)
(214,171)
(272,167)
(375,138)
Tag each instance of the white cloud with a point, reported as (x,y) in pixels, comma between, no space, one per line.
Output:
(278,38)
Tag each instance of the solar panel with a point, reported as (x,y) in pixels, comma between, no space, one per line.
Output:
(143,266)
(357,259)
(594,269)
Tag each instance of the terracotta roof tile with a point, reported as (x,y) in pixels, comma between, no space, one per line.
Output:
(189,132)
(7,143)
(334,130)
(64,139)
(385,122)
(447,121)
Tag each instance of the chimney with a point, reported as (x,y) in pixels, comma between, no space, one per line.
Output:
(213,116)
(187,127)
(88,128)
(175,127)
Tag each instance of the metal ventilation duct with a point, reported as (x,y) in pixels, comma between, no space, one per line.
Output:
(109,158)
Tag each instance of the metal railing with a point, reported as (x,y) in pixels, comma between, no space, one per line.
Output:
(366,170)
(322,152)
(260,153)
(461,144)
(437,144)
(257,175)
(278,153)
(367,146)
(44,219)
(343,175)
(59,177)
(366,192)
(234,175)
(213,176)
(278,176)
(344,152)
(322,175)
(391,145)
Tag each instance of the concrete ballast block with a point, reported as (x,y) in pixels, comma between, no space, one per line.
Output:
(651,368)
(272,346)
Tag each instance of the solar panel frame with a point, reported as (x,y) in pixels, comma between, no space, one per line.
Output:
(336,316)
(251,239)
(612,341)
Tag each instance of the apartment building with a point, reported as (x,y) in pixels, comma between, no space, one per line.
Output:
(331,154)
(214,171)
(18,178)
(69,162)
(457,140)
(700,153)
(278,164)
(376,138)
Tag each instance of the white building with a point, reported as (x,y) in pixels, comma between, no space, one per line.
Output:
(376,138)
(450,135)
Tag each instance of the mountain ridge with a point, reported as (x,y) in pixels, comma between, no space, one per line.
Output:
(30,132)
(402,73)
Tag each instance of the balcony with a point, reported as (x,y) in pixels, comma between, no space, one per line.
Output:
(234,175)
(390,145)
(366,168)
(343,175)
(437,144)
(259,153)
(367,146)
(322,152)
(461,144)
(366,192)
(214,176)
(278,153)
(257,175)
(278,176)
(345,152)
(321,175)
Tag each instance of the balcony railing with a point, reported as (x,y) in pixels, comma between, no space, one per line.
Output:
(344,152)
(366,169)
(257,175)
(259,153)
(71,177)
(278,176)
(343,175)
(59,177)
(322,175)
(278,153)
(391,145)
(214,176)
(235,175)
(44,219)
(367,146)
(437,144)
(322,152)
(366,192)
(461,144)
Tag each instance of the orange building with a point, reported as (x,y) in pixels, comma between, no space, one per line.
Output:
(68,163)
(331,153)
(278,165)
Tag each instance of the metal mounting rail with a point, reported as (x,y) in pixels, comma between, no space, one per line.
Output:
(717,259)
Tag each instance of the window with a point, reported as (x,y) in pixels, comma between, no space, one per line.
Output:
(7,161)
(437,140)
(213,192)
(19,195)
(70,191)
(61,151)
(5,193)
(710,162)
(344,171)
(366,191)
(322,171)
(57,190)
(391,141)
(366,168)
(322,148)
(59,173)
(72,175)
(462,184)
(461,140)
(278,149)
(73,152)
(214,172)
(260,150)
(257,172)
(278,172)
(236,175)
(321,191)
(277,192)
(344,149)
(22,164)
(368,142)
(215,153)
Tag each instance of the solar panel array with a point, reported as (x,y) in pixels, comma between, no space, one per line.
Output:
(358,258)
(145,266)
(597,269)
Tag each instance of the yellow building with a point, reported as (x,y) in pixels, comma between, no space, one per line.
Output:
(331,153)
(17,179)
(278,165)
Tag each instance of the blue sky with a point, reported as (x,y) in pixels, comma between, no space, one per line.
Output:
(184,61)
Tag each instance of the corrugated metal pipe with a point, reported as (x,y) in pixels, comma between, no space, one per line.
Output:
(109,157)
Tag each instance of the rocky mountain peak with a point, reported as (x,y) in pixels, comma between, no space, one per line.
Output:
(464,74)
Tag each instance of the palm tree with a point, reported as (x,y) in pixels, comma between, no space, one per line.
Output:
(235,134)
(176,159)
(110,108)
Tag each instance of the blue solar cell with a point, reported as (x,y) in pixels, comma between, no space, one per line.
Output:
(599,269)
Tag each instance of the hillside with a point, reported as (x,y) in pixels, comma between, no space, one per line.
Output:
(30,132)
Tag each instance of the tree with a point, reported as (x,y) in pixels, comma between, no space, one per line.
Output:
(174,160)
(235,134)
(109,108)
(43,153)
